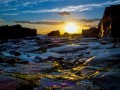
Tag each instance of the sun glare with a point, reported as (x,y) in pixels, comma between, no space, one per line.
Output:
(71,28)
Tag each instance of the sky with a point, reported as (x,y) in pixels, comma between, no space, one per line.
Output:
(49,15)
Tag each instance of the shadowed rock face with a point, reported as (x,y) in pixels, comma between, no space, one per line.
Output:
(92,32)
(54,33)
(16,31)
(110,23)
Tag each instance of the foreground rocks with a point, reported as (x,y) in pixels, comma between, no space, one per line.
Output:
(11,83)
(84,63)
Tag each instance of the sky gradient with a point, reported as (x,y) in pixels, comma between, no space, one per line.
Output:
(48,15)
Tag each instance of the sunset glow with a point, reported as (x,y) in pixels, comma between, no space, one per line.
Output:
(71,28)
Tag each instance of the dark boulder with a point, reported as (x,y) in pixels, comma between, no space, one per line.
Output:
(54,33)
(16,53)
(38,59)
(24,62)
(15,32)
(110,23)
(12,83)
(66,34)
(51,58)
(11,61)
(92,32)
(1,60)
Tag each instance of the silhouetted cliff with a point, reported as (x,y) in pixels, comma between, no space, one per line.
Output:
(92,32)
(54,33)
(110,23)
(16,31)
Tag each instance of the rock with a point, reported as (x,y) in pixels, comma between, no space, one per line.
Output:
(54,84)
(65,84)
(59,59)
(108,57)
(68,64)
(16,41)
(51,58)
(8,84)
(54,33)
(92,32)
(43,49)
(11,83)
(1,71)
(38,59)
(75,88)
(24,62)
(108,81)
(16,53)
(66,34)
(77,62)
(16,31)
(109,24)
(49,84)
(69,48)
(11,61)
(1,60)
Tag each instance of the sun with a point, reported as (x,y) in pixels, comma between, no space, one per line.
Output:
(71,28)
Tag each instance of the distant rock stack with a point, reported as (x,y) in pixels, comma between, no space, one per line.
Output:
(109,25)
(15,32)
(54,33)
(92,32)
(66,34)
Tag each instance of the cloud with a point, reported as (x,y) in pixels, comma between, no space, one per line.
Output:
(77,8)
(65,9)
(34,2)
(10,9)
(6,1)
(2,21)
(88,22)
(10,14)
(6,4)
(64,13)
(41,22)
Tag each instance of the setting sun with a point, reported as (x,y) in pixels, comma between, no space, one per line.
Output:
(71,28)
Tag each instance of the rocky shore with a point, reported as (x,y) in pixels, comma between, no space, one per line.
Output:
(61,63)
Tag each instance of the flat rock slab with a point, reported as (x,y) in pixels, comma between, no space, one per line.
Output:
(11,83)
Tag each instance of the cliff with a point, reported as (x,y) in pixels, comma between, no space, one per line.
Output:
(109,25)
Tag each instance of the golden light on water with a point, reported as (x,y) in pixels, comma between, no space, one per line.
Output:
(71,28)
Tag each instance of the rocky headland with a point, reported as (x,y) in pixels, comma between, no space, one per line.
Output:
(16,32)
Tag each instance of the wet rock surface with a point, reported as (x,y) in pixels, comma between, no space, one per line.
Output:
(77,64)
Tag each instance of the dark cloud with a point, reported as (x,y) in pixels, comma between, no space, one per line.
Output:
(41,22)
(88,20)
(90,25)
(64,13)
